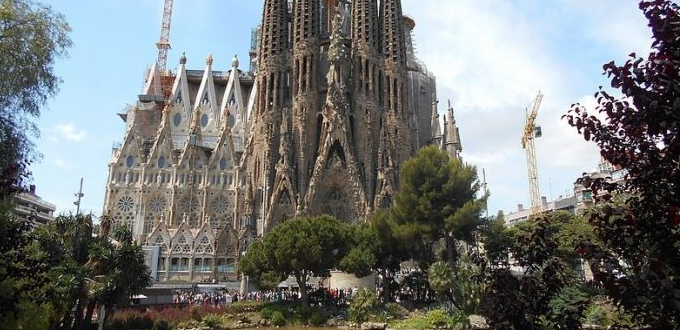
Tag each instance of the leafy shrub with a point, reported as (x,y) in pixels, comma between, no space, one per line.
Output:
(439,318)
(278,319)
(317,319)
(413,323)
(246,306)
(303,313)
(212,321)
(393,310)
(362,306)
(160,324)
(595,315)
(266,313)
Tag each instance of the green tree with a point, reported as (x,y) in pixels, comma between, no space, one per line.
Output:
(548,290)
(497,240)
(32,37)
(639,263)
(298,247)
(437,201)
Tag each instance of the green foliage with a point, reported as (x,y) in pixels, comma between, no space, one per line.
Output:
(437,199)
(548,292)
(468,286)
(212,321)
(595,315)
(317,318)
(568,306)
(439,318)
(440,276)
(266,313)
(32,38)
(299,247)
(394,310)
(638,262)
(363,304)
(160,324)
(497,240)
(278,319)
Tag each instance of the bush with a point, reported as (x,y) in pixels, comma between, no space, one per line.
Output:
(161,325)
(439,318)
(212,321)
(393,310)
(595,315)
(278,319)
(317,319)
(246,306)
(362,306)
(266,313)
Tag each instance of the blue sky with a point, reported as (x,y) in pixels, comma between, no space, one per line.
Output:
(490,57)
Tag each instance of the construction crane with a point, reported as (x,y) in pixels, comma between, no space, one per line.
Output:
(531,132)
(163,47)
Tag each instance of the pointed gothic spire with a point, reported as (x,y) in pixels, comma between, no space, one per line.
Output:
(365,24)
(274,31)
(394,42)
(306,18)
(436,131)
(452,138)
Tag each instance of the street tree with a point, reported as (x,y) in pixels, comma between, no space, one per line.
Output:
(299,247)
(32,38)
(637,130)
(437,201)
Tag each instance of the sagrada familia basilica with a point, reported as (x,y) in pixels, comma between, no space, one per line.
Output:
(333,102)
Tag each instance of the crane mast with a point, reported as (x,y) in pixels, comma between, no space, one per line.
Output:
(531,132)
(163,47)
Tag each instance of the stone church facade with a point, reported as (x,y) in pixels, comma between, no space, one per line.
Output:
(335,101)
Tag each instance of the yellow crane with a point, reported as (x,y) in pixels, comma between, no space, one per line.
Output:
(531,132)
(163,45)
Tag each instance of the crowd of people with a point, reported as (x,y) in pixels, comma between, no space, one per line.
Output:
(320,295)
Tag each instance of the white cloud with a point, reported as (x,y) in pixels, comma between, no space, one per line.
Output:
(61,163)
(491,57)
(69,132)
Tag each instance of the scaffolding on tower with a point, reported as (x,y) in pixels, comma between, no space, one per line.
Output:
(531,132)
(165,76)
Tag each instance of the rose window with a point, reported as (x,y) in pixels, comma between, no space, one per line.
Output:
(157,204)
(126,203)
(221,205)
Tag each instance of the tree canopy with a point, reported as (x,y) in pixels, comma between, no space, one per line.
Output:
(639,260)
(301,247)
(437,200)
(32,37)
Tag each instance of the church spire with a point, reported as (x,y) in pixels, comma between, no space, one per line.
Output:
(274,33)
(452,139)
(436,130)
(365,24)
(394,42)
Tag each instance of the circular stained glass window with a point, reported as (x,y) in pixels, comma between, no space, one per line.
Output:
(177,119)
(204,120)
(189,204)
(161,162)
(130,161)
(125,204)
(157,204)
(221,205)
(223,164)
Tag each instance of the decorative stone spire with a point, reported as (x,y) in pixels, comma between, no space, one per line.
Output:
(394,42)
(452,139)
(183,59)
(436,131)
(365,24)
(234,62)
(274,32)
(209,60)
